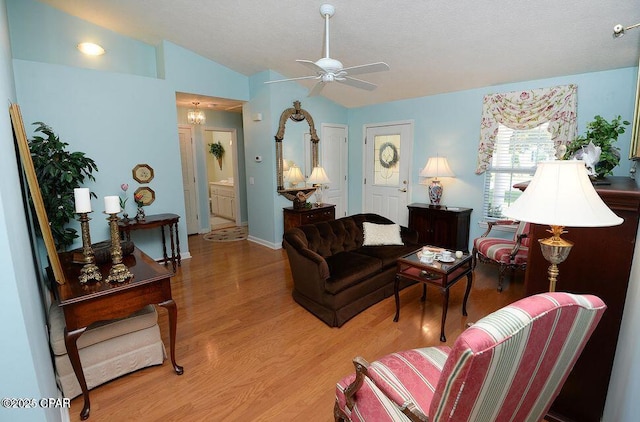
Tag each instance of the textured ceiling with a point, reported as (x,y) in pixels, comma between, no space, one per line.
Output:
(432,46)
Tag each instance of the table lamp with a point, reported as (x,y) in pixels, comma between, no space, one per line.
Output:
(295,176)
(318,178)
(561,194)
(436,167)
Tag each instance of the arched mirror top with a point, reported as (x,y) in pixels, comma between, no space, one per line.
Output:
(296,192)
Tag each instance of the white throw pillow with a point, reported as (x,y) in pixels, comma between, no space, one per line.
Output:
(381,234)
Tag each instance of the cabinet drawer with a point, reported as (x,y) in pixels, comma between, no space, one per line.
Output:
(314,217)
(226,192)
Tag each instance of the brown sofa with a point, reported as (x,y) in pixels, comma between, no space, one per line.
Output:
(335,277)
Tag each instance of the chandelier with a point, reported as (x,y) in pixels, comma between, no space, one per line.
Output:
(196,116)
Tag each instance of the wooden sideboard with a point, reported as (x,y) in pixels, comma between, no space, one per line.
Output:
(442,226)
(298,217)
(599,263)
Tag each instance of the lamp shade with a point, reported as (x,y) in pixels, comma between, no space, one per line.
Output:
(318,176)
(437,167)
(561,194)
(295,175)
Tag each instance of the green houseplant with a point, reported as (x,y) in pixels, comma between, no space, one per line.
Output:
(217,150)
(603,134)
(59,172)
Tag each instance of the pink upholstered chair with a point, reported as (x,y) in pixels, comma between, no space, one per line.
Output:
(506,253)
(509,366)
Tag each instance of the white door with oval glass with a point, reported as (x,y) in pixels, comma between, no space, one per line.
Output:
(387,161)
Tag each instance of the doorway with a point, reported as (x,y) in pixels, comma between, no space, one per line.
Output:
(387,165)
(189,181)
(334,160)
(222,177)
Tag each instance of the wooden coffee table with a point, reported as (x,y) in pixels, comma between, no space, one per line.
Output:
(440,274)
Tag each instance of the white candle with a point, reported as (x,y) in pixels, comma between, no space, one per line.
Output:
(82,200)
(112,204)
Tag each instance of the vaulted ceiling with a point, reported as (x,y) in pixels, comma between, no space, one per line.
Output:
(431,46)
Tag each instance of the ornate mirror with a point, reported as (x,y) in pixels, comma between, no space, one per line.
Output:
(298,193)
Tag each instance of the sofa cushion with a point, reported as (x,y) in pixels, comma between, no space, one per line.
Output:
(388,254)
(349,268)
(99,331)
(381,234)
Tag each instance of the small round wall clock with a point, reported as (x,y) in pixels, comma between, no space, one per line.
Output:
(142,173)
(147,195)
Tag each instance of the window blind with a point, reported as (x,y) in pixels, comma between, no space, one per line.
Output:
(514,160)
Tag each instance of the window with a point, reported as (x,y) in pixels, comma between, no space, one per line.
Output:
(515,156)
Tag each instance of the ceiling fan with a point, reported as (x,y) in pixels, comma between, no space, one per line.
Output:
(330,70)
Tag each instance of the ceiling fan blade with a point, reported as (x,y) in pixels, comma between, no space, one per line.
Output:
(367,68)
(357,83)
(293,79)
(311,65)
(316,89)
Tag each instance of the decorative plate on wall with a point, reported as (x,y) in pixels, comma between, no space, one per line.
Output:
(148,195)
(142,173)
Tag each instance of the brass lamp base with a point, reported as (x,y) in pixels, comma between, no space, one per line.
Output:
(555,250)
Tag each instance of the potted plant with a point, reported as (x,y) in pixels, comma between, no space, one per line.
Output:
(602,134)
(217,150)
(59,172)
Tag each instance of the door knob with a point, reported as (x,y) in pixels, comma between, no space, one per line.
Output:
(403,190)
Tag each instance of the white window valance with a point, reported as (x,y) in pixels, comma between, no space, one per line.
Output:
(522,110)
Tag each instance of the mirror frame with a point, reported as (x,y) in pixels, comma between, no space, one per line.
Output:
(296,114)
(20,137)
(634,150)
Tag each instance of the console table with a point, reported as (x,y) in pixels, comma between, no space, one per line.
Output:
(298,217)
(151,222)
(447,227)
(599,264)
(85,304)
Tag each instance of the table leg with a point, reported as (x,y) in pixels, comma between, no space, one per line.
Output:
(173,250)
(70,342)
(178,246)
(170,306)
(466,293)
(424,292)
(445,306)
(396,292)
(164,246)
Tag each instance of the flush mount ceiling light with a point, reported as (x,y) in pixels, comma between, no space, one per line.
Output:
(91,49)
(196,117)
(619,30)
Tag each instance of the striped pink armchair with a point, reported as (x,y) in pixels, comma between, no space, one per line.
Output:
(506,253)
(509,366)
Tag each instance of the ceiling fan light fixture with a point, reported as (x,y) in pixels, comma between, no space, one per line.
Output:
(328,70)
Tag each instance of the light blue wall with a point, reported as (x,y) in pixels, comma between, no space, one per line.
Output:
(42,33)
(26,369)
(186,71)
(265,208)
(119,119)
(449,125)
(217,119)
(102,114)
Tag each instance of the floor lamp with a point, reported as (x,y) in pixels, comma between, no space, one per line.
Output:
(561,195)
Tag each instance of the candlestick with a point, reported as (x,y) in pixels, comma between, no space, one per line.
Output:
(82,199)
(119,273)
(112,204)
(89,271)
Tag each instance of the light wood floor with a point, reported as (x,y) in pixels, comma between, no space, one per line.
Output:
(250,353)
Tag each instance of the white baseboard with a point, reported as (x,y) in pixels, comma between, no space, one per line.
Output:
(265,243)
